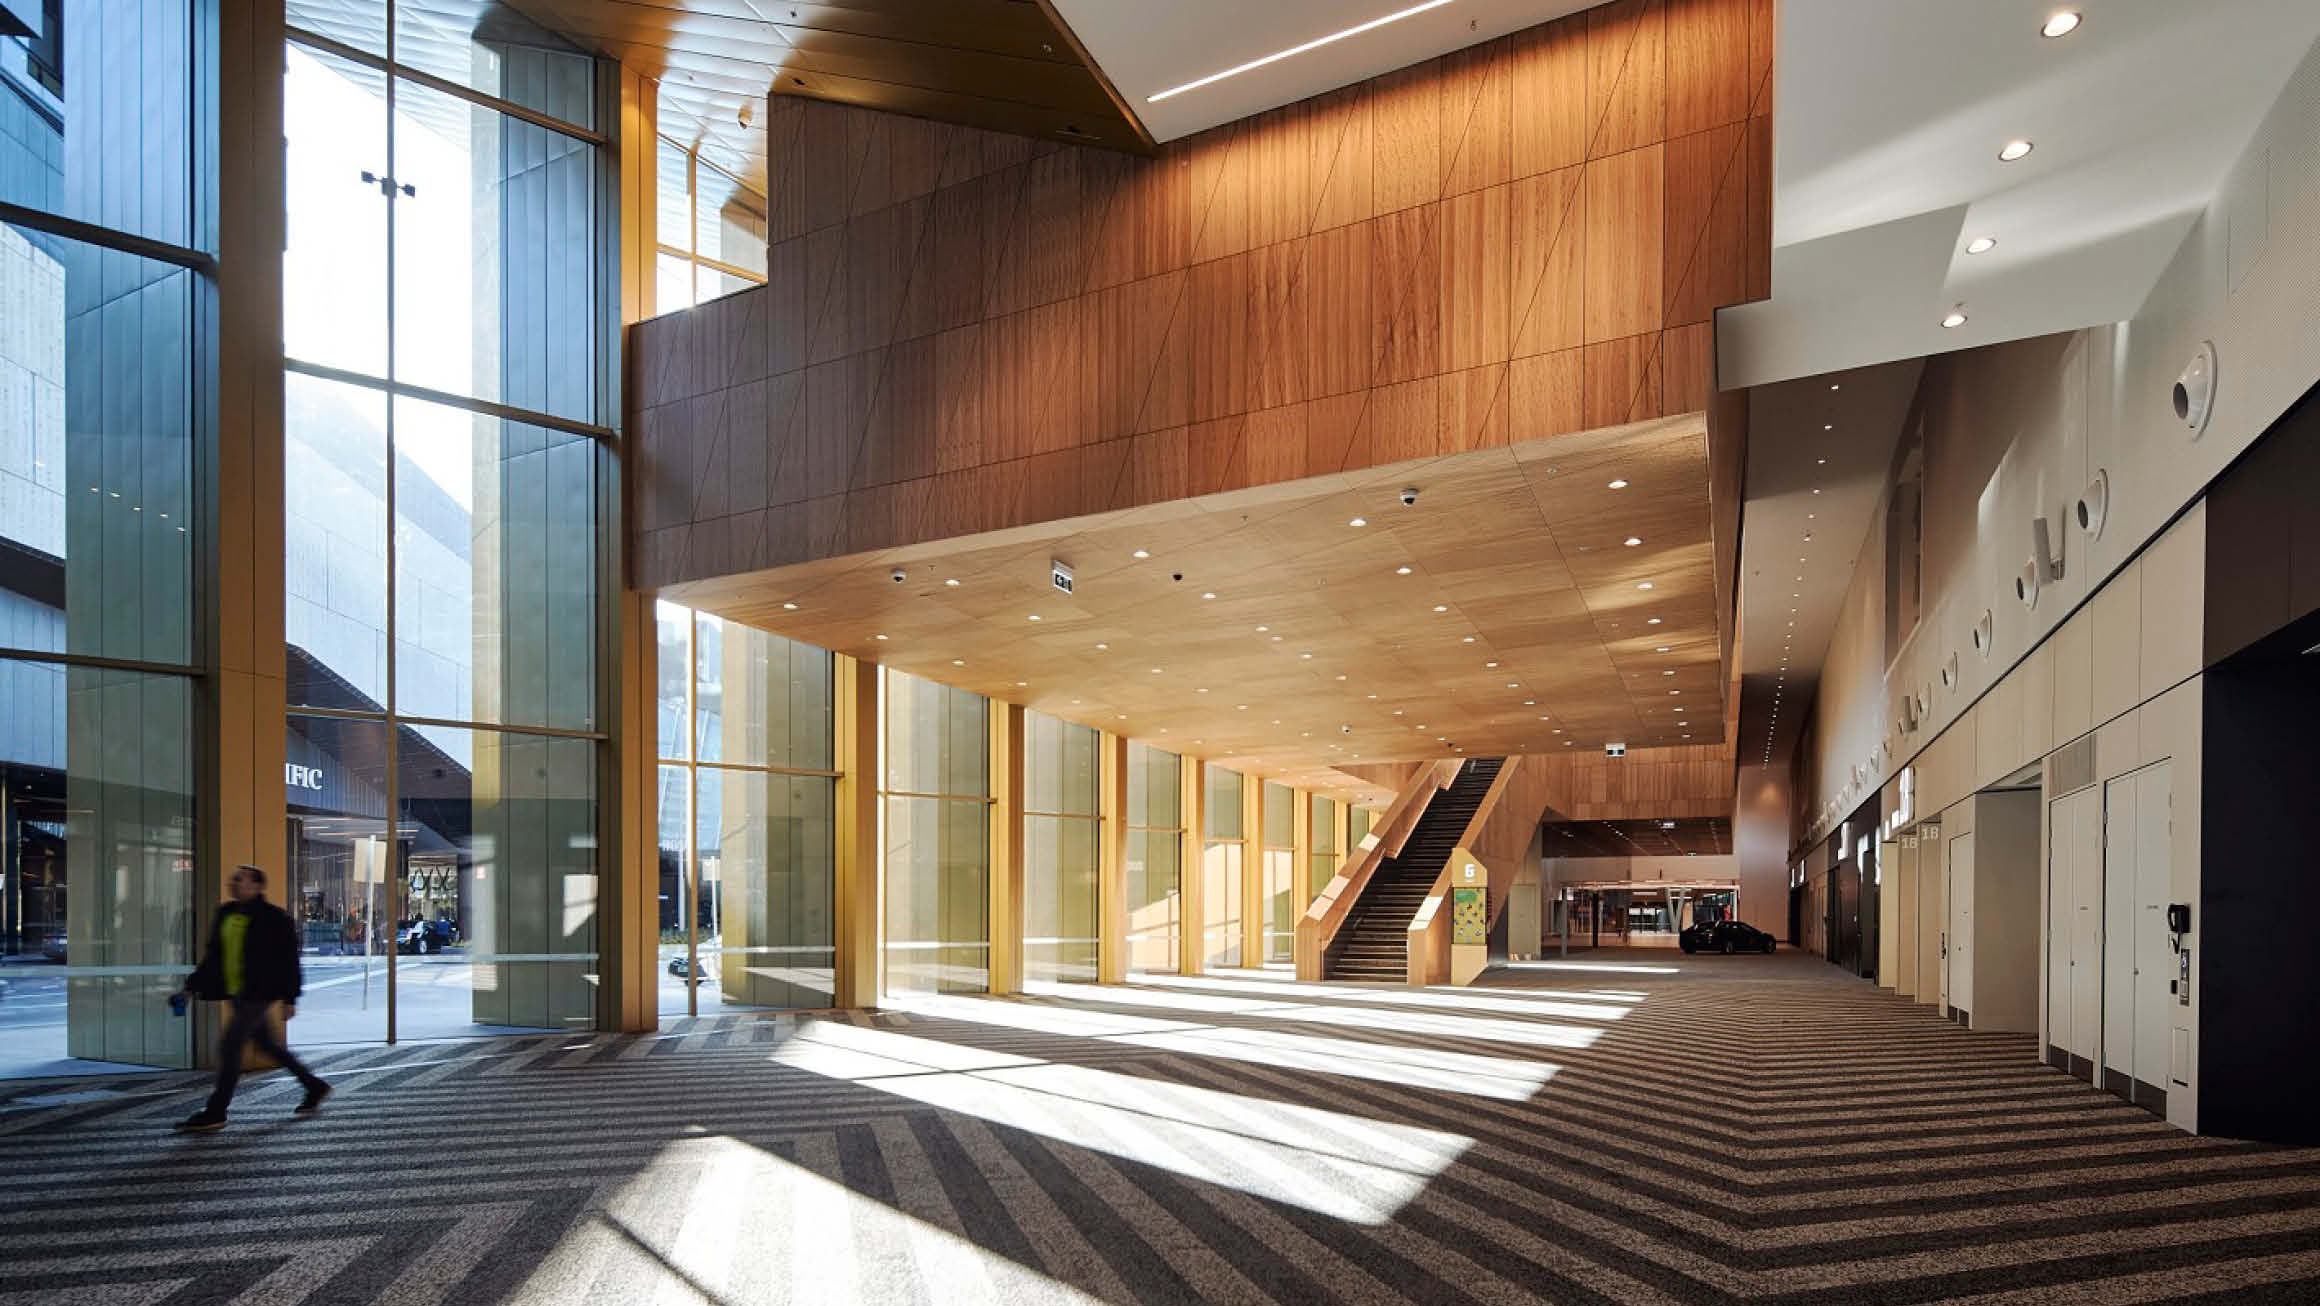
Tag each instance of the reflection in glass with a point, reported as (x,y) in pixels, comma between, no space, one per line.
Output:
(498,833)
(1061,856)
(97,119)
(765,933)
(1155,857)
(673,668)
(97,839)
(495,291)
(1220,868)
(341,882)
(759,699)
(495,575)
(1279,871)
(96,450)
(487,46)
(728,220)
(672,963)
(334,544)
(937,837)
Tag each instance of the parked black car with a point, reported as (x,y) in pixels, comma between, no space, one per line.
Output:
(1725,936)
(424,937)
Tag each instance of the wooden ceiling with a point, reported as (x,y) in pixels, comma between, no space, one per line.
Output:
(1292,641)
(1678,838)
(1005,65)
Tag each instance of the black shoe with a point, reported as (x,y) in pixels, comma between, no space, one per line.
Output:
(204,1121)
(311,1104)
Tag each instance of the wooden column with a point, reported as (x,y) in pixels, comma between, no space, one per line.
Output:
(1006,830)
(1112,859)
(241,805)
(1192,883)
(1252,870)
(639,195)
(1301,860)
(629,942)
(856,697)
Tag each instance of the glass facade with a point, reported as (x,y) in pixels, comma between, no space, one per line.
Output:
(935,818)
(1322,855)
(748,906)
(446,327)
(1220,867)
(101,354)
(1155,857)
(1062,826)
(712,229)
(1279,853)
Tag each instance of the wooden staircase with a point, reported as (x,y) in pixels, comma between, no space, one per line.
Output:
(1373,944)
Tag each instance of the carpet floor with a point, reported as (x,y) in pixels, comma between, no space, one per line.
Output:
(1633,1128)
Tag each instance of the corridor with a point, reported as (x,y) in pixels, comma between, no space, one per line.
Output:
(1622,1127)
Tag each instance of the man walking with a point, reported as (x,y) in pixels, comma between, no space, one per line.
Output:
(251,964)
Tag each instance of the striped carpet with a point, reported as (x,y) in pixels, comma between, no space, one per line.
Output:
(1652,1129)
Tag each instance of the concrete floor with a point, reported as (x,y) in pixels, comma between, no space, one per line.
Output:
(1625,1127)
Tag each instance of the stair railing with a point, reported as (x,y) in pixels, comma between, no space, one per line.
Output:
(1431,958)
(1318,927)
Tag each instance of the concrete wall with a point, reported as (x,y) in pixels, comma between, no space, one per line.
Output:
(1760,837)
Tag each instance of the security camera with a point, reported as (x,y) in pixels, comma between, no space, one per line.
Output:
(1176,575)
(1345,730)
(1410,497)
(898,575)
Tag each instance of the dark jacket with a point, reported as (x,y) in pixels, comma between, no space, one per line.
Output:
(270,971)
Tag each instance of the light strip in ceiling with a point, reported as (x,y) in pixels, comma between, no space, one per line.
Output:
(1314,44)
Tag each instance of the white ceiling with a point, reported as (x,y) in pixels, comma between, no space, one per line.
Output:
(1891,114)
(1791,586)
(1146,48)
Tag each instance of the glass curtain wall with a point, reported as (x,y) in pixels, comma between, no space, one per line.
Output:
(748,875)
(1279,851)
(935,800)
(1322,856)
(1155,858)
(1062,826)
(712,227)
(448,326)
(1220,868)
(106,254)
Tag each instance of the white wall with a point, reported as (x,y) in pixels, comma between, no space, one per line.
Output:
(1760,842)
(2016,431)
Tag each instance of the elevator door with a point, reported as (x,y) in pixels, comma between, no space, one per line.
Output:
(2074,926)
(2136,886)
(1960,961)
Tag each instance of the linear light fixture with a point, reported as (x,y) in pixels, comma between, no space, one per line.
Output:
(1314,44)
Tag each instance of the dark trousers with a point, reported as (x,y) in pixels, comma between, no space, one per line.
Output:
(245,1024)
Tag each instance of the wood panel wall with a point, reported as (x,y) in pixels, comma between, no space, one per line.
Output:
(964,331)
(1688,781)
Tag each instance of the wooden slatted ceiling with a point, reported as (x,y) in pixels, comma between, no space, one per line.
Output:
(1523,546)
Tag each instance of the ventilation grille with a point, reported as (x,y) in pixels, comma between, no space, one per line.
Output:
(2070,768)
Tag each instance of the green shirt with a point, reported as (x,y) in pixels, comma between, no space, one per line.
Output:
(230,932)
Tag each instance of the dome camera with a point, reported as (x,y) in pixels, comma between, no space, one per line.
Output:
(1176,575)
(898,575)
(1410,497)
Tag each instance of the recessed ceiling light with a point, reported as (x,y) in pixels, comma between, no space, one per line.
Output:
(1155,671)
(1401,571)
(1262,629)
(1492,665)
(2063,23)
(958,662)
(1661,649)
(1101,647)
(1468,640)
(1359,521)
(1956,317)
(1530,702)
(789,607)
(1033,617)
(952,583)
(1982,244)
(877,637)
(2014,150)
(1644,585)
(1208,595)
(1619,485)
(1295,50)
(1632,541)
(1821,462)
(1140,554)
(1306,656)
(1022,684)
(1653,622)
(1441,607)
